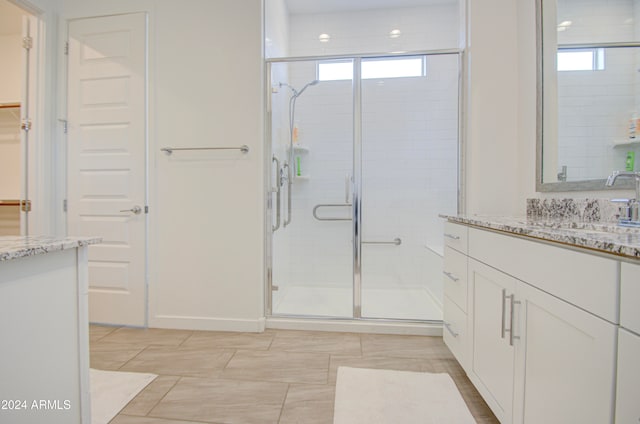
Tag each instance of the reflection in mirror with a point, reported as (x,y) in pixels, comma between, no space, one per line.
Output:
(589,91)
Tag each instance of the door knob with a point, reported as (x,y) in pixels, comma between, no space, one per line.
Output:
(136,209)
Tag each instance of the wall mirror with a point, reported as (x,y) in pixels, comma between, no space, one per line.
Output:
(588,92)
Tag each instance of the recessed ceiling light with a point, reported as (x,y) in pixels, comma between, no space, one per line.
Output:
(324,38)
(565,23)
(394,33)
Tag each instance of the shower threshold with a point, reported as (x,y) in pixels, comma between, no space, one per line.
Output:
(390,311)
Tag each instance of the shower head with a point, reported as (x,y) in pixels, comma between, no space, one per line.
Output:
(299,93)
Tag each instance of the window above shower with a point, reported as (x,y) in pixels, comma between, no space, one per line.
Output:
(400,67)
(298,28)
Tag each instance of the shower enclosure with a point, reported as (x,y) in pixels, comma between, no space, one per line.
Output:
(364,157)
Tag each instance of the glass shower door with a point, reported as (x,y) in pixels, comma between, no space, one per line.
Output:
(409,176)
(312,159)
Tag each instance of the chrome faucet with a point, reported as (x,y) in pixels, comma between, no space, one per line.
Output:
(632,204)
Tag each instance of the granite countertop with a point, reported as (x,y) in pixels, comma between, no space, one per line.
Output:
(14,247)
(605,237)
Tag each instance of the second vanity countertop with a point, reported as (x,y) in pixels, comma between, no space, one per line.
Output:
(14,247)
(600,236)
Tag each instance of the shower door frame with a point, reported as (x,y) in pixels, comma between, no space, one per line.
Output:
(356,197)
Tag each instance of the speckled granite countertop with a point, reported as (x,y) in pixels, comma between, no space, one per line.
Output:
(600,236)
(14,247)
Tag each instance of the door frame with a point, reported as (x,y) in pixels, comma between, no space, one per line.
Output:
(35,182)
(356,191)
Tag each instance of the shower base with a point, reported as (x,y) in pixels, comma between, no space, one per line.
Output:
(414,304)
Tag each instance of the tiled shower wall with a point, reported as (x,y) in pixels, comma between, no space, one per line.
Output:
(595,106)
(410,151)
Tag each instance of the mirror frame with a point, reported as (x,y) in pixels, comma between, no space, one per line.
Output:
(541,186)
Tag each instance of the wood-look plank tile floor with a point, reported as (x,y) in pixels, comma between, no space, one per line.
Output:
(278,376)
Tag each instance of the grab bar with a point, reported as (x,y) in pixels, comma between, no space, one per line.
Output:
(169,150)
(330,205)
(396,241)
(289,183)
(277,191)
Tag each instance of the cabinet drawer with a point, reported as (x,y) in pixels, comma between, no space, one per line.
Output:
(630,297)
(455,236)
(455,277)
(454,331)
(582,279)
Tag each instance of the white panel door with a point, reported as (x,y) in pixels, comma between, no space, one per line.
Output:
(106,160)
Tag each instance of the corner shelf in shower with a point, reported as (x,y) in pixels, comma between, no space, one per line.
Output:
(625,143)
(301,149)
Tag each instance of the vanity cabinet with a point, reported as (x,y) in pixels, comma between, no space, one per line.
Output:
(455,292)
(628,385)
(627,405)
(538,352)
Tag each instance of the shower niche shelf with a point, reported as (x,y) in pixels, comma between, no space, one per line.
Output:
(625,143)
(300,149)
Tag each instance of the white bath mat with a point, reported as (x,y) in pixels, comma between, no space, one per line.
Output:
(112,390)
(371,396)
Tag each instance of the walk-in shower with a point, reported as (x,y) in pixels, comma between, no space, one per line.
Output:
(367,165)
(363,153)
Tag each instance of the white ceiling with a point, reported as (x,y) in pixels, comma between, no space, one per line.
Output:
(325,6)
(10,18)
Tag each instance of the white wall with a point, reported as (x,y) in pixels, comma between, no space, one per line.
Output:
(276,29)
(10,88)
(10,169)
(422,28)
(11,54)
(492,114)
(10,152)
(206,209)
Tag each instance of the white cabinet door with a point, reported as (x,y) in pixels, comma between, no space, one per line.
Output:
(628,392)
(493,356)
(565,362)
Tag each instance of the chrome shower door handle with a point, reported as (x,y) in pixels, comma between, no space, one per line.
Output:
(136,210)
(275,160)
